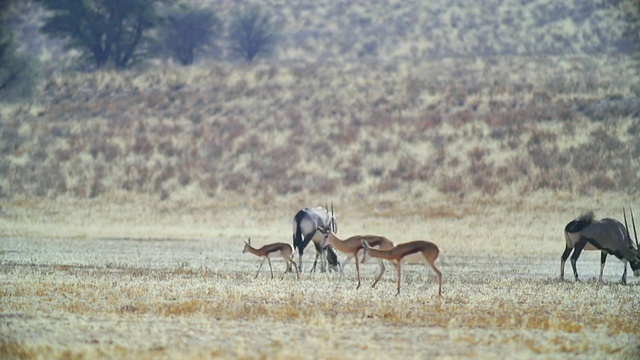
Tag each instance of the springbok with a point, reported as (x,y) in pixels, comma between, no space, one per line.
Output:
(305,229)
(428,250)
(353,245)
(283,250)
(607,235)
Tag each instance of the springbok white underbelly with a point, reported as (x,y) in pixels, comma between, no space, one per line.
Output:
(415,258)
(275,254)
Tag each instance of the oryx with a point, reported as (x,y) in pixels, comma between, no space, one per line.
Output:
(607,235)
(305,229)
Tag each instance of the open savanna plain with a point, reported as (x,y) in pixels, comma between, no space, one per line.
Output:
(104,279)
(483,126)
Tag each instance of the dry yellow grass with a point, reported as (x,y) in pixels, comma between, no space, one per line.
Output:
(125,197)
(142,279)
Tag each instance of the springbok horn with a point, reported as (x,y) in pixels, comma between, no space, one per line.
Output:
(248,243)
(635,233)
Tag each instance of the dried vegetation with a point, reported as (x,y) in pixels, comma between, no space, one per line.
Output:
(125,196)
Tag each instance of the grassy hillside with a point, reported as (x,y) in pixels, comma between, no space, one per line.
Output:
(453,126)
(415,30)
(549,102)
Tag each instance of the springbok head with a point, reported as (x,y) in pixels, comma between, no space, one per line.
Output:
(246,244)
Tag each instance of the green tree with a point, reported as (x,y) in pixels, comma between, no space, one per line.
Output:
(105,31)
(190,31)
(252,32)
(17,72)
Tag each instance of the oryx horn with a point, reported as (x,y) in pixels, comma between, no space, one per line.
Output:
(635,233)
(633,223)
(334,225)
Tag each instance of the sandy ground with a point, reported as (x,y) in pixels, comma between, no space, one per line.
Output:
(87,296)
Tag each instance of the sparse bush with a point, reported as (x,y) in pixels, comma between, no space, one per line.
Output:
(387,186)
(188,32)
(142,145)
(602,182)
(451,185)
(18,71)
(105,32)
(236,182)
(210,184)
(253,32)
(324,185)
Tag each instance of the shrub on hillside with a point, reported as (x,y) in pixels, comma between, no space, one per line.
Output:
(253,31)
(18,71)
(188,32)
(105,32)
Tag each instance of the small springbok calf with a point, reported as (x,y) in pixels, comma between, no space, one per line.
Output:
(428,250)
(353,245)
(283,250)
(607,235)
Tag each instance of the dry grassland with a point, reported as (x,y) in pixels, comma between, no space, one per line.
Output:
(132,280)
(483,126)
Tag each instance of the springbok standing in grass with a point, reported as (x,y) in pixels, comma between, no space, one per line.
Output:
(428,250)
(353,245)
(305,229)
(607,235)
(283,250)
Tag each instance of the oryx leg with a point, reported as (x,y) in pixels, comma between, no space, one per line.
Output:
(260,267)
(319,254)
(313,268)
(563,260)
(623,281)
(297,270)
(603,259)
(300,261)
(577,249)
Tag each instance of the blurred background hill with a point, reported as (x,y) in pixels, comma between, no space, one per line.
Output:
(370,101)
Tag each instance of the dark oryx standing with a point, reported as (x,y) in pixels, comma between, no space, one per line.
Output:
(305,229)
(607,235)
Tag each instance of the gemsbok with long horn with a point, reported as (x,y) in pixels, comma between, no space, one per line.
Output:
(429,252)
(306,223)
(353,245)
(280,249)
(607,235)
